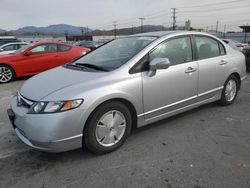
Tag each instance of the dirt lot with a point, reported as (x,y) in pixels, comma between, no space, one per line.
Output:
(208,147)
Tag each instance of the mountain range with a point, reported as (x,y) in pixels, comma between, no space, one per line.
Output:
(64,29)
(59,29)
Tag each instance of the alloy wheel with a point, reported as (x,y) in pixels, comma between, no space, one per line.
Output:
(230,90)
(5,74)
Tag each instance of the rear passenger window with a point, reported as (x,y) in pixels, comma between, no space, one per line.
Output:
(177,50)
(64,48)
(207,47)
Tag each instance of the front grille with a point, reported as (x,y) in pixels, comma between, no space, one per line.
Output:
(24,102)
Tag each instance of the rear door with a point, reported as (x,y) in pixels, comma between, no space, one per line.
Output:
(213,65)
(175,87)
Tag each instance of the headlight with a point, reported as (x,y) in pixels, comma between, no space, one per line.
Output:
(54,107)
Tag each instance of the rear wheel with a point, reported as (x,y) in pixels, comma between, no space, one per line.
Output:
(107,128)
(6,74)
(230,91)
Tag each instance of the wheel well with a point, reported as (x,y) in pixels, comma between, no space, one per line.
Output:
(238,78)
(128,104)
(9,67)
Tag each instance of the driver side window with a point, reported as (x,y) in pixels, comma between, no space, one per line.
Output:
(45,48)
(178,51)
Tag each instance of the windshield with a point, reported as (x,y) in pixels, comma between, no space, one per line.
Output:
(22,49)
(116,53)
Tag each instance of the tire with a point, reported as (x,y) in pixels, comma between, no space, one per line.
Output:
(228,95)
(107,128)
(6,74)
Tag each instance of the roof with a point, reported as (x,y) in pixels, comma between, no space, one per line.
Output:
(36,43)
(155,34)
(10,43)
(164,33)
(246,28)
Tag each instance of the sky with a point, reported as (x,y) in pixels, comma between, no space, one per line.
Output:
(101,14)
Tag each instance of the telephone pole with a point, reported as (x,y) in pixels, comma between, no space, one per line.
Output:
(142,19)
(174,18)
(224,36)
(115,32)
(217,25)
(82,30)
(87,30)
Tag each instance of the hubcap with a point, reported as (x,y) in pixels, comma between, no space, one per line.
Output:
(5,74)
(110,128)
(231,90)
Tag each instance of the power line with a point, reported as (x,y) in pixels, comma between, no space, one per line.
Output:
(214,4)
(214,9)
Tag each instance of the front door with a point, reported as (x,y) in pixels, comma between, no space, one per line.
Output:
(173,88)
(43,57)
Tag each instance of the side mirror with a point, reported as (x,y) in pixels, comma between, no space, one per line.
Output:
(27,53)
(158,63)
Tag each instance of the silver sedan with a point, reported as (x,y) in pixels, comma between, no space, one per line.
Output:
(95,101)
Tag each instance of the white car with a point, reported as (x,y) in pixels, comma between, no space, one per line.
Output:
(235,44)
(11,47)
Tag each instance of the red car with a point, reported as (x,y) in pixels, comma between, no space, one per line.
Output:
(35,58)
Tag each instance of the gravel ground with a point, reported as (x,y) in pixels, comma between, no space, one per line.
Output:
(208,147)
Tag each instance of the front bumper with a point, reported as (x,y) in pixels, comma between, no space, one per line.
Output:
(55,132)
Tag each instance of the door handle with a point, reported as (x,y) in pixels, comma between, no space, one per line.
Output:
(223,62)
(190,70)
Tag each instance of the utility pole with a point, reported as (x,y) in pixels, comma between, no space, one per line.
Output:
(224,35)
(217,25)
(66,35)
(82,30)
(87,30)
(115,32)
(142,19)
(132,29)
(174,18)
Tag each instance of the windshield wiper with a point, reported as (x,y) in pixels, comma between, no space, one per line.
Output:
(96,67)
(75,66)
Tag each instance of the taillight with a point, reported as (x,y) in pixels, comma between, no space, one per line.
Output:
(240,45)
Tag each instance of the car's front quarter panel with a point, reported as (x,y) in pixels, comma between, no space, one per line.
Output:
(116,86)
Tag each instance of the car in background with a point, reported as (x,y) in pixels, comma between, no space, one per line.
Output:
(87,44)
(95,101)
(11,47)
(234,44)
(38,57)
(246,52)
(6,39)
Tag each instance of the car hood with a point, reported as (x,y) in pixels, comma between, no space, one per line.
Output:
(46,83)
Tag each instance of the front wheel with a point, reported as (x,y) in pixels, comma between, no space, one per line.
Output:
(230,91)
(6,74)
(107,128)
